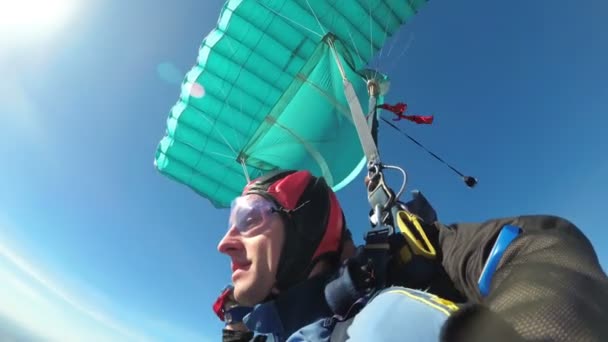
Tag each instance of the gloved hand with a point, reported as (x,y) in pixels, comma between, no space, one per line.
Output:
(353,281)
(229,311)
(361,269)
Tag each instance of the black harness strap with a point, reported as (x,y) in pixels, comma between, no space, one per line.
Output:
(339,333)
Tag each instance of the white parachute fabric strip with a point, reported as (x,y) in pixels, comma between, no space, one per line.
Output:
(363,130)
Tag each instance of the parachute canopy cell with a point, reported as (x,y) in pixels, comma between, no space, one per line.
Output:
(266,93)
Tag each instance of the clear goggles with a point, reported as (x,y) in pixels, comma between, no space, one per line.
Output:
(250,211)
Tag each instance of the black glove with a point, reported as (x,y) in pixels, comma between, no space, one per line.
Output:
(353,281)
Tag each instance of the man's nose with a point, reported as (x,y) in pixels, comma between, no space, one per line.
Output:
(230,242)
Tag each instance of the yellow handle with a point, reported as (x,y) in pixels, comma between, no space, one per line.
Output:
(423,248)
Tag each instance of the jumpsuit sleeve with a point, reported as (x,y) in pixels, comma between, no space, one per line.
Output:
(548,284)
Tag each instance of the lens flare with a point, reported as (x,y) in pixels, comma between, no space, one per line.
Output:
(169,73)
(197,90)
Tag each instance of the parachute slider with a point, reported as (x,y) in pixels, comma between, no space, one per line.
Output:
(378,84)
(373,88)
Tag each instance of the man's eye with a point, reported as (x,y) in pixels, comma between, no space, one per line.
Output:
(253,219)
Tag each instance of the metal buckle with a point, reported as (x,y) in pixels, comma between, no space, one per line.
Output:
(379,195)
(378,237)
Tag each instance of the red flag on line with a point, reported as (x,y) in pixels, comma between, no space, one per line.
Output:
(400,108)
(419,119)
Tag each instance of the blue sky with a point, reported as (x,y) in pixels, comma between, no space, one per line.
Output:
(95,243)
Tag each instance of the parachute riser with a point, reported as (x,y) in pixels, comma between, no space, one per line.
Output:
(382,200)
(380,196)
(379,239)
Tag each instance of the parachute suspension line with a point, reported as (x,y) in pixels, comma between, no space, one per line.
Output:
(407,46)
(219,133)
(316,18)
(291,20)
(371,31)
(390,48)
(468,180)
(404,49)
(352,40)
(371,40)
(371,36)
(245,171)
(221,89)
(383,39)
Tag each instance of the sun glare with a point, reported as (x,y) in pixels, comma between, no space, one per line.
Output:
(32,19)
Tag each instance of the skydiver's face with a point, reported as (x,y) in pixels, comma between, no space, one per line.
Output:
(253,242)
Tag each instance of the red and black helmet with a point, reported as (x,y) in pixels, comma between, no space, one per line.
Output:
(314,222)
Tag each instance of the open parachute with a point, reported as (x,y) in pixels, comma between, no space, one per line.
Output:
(267,93)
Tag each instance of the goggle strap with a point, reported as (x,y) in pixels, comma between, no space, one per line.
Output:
(290,211)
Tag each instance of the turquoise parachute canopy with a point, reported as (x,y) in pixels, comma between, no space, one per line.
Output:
(266,93)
